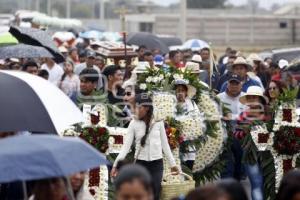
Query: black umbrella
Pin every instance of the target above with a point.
(171, 41)
(37, 37)
(149, 40)
(30, 103)
(24, 51)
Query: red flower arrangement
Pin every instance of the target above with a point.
(287, 165)
(263, 137)
(287, 140)
(287, 115)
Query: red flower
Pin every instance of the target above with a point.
(118, 139)
(90, 130)
(287, 115)
(101, 131)
(263, 138)
(287, 165)
(92, 191)
(297, 132)
(95, 119)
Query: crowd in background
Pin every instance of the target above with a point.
(237, 80)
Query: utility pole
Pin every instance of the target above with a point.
(102, 9)
(183, 8)
(37, 5)
(68, 9)
(49, 7)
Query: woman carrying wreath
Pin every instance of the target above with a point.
(256, 112)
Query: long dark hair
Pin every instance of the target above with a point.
(289, 186)
(65, 63)
(145, 100)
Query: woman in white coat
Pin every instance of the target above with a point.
(150, 142)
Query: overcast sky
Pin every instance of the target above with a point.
(262, 3)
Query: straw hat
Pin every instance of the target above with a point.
(254, 57)
(191, 90)
(241, 61)
(197, 59)
(141, 68)
(253, 91)
(193, 67)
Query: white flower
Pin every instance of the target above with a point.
(143, 86)
(149, 79)
(161, 77)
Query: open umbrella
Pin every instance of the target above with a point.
(170, 41)
(30, 103)
(149, 40)
(37, 37)
(195, 44)
(7, 39)
(24, 51)
(35, 157)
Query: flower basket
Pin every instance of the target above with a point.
(171, 190)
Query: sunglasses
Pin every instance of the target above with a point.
(128, 93)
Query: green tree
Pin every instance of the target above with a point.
(205, 3)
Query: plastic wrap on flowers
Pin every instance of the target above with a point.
(101, 111)
(164, 105)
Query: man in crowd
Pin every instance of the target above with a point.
(89, 63)
(148, 57)
(55, 71)
(230, 97)
(175, 59)
(240, 67)
(141, 50)
(100, 62)
(88, 84)
(114, 81)
(31, 67)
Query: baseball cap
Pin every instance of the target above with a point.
(158, 60)
(235, 77)
(91, 54)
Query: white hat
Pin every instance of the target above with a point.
(62, 49)
(254, 57)
(191, 90)
(283, 63)
(141, 68)
(196, 58)
(15, 60)
(253, 91)
(193, 67)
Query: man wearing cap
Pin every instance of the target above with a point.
(89, 63)
(55, 71)
(240, 67)
(88, 84)
(230, 97)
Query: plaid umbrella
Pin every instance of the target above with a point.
(37, 37)
(24, 51)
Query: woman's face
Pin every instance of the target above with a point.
(133, 191)
(181, 93)
(68, 67)
(141, 111)
(129, 95)
(273, 90)
(77, 181)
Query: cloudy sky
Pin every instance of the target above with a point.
(262, 3)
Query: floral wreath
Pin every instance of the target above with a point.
(209, 141)
(279, 142)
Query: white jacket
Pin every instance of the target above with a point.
(156, 142)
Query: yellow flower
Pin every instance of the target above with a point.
(173, 130)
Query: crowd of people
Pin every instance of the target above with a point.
(247, 86)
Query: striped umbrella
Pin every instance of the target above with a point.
(195, 44)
